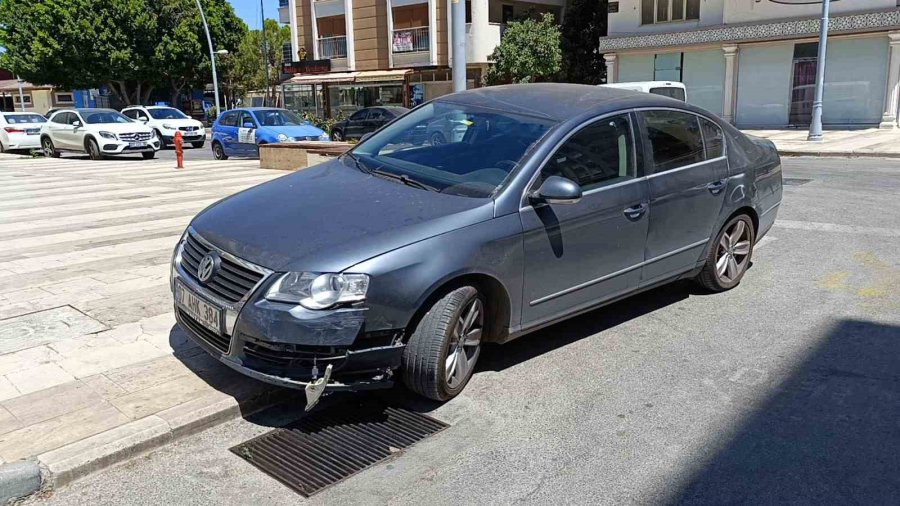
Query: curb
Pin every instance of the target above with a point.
(76, 460)
(838, 154)
(19, 479)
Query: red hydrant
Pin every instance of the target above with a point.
(179, 150)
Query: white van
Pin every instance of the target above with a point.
(672, 89)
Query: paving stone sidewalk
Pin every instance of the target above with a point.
(873, 142)
(92, 366)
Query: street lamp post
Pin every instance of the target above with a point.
(21, 93)
(212, 57)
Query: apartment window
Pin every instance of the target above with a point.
(64, 98)
(663, 11)
(282, 3)
(287, 52)
(17, 98)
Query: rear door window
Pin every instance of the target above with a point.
(669, 91)
(712, 139)
(675, 139)
(229, 119)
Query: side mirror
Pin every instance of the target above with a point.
(365, 136)
(76, 123)
(249, 125)
(557, 190)
(143, 118)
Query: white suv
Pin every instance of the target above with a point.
(97, 132)
(166, 121)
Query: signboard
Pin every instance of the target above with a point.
(307, 67)
(403, 41)
(613, 7)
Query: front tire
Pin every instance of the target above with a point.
(93, 150)
(219, 151)
(162, 141)
(337, 136)
(48, 148)
(197, 145)
(729, 255)
(441, 354)
(149, 155)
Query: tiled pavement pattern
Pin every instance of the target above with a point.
(87, 336)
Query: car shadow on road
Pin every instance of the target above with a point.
(829, 434)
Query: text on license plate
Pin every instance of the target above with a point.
(205, 313)
(136, 144)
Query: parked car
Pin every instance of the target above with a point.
(399, 260)
(671, 89)
(97, 132)
(166, 121)
(365, 121)
(20, 130)
(53, 110)
(240, 132)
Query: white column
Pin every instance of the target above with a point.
(892, 94)
(348, 24)
(612, 67)
(432, 31)
(295, 36)
(390, 33)
(729, 94)
(482, 45)
(315, 30)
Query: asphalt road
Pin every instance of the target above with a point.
(783, 390)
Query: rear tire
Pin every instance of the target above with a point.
(149, 156)
(337, 136)
(441, 354)
(219, 151)
(729, 255)
(93, 149)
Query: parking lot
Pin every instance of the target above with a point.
(782, 390)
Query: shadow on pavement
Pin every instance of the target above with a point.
(830, 434)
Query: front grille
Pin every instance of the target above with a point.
(188, 128)
(217, 341)
(230, 283)
(135, 136)
(289, 355)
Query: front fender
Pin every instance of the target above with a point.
(403, 280)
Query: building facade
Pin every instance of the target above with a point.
(358, 53)
(754, 62)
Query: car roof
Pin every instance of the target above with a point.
(19, 113)
(557, 101)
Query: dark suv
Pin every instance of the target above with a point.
(403, 257)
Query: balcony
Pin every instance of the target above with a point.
(411, 46)
(482, 40)
(334, 49)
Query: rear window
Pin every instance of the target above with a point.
(229, 119)
(670, 92)
(18, 119)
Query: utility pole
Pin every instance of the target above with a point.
(815, 126)
(262, 11)
(458, 33)
(21, 93)
(212, 58)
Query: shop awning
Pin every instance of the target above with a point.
(333, 77)
(381, 75)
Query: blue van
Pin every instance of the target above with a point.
(240, 132)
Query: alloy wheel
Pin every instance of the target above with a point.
(48, 148)
(465, 344)
(733, 252)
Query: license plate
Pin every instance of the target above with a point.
(205, 313)
(136, 144)
(33, 131)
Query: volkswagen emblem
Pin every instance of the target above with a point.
(209, 264)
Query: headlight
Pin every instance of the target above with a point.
(318, 291)
(324, 137)
(282, 138)
(152, 134)
(108, 135)
(169, 127)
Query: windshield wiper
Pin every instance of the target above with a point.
(403, 178)
(358, 163)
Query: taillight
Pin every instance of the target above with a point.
(14, 130)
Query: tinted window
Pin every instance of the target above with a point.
(229, 119)
(376, 114)
(599, 154)
(359, 115)
(483, 145)
(279, 117)
(131, 114)
(95, 118)
(60, 118)
(670, 92)
(712, 139)
(674, 138)
(13, 119)
(246, 118)
(166, 113)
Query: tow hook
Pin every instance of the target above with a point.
(315, 389)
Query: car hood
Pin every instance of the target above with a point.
(330, 217)
(294, 131)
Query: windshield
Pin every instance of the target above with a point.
(278, 117)
(17, 119)
(94, 118)
(452, 148)
(167, 113)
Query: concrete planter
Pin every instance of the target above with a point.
(299, 155)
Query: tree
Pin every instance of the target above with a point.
(585, 23)
(528, 52)
(132, 46)
(249, 69)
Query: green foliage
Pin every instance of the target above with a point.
(249, 71)
(323, 123)
(528, 52)
(585, 23)
(131, 45)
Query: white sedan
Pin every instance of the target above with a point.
(97, 132)
(20, 130)
(166, 121)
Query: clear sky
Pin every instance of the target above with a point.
(248, 10)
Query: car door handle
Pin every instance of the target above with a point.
(716, 187)
(635, 212)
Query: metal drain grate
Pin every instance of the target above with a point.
(794, 181)
(330, 446)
